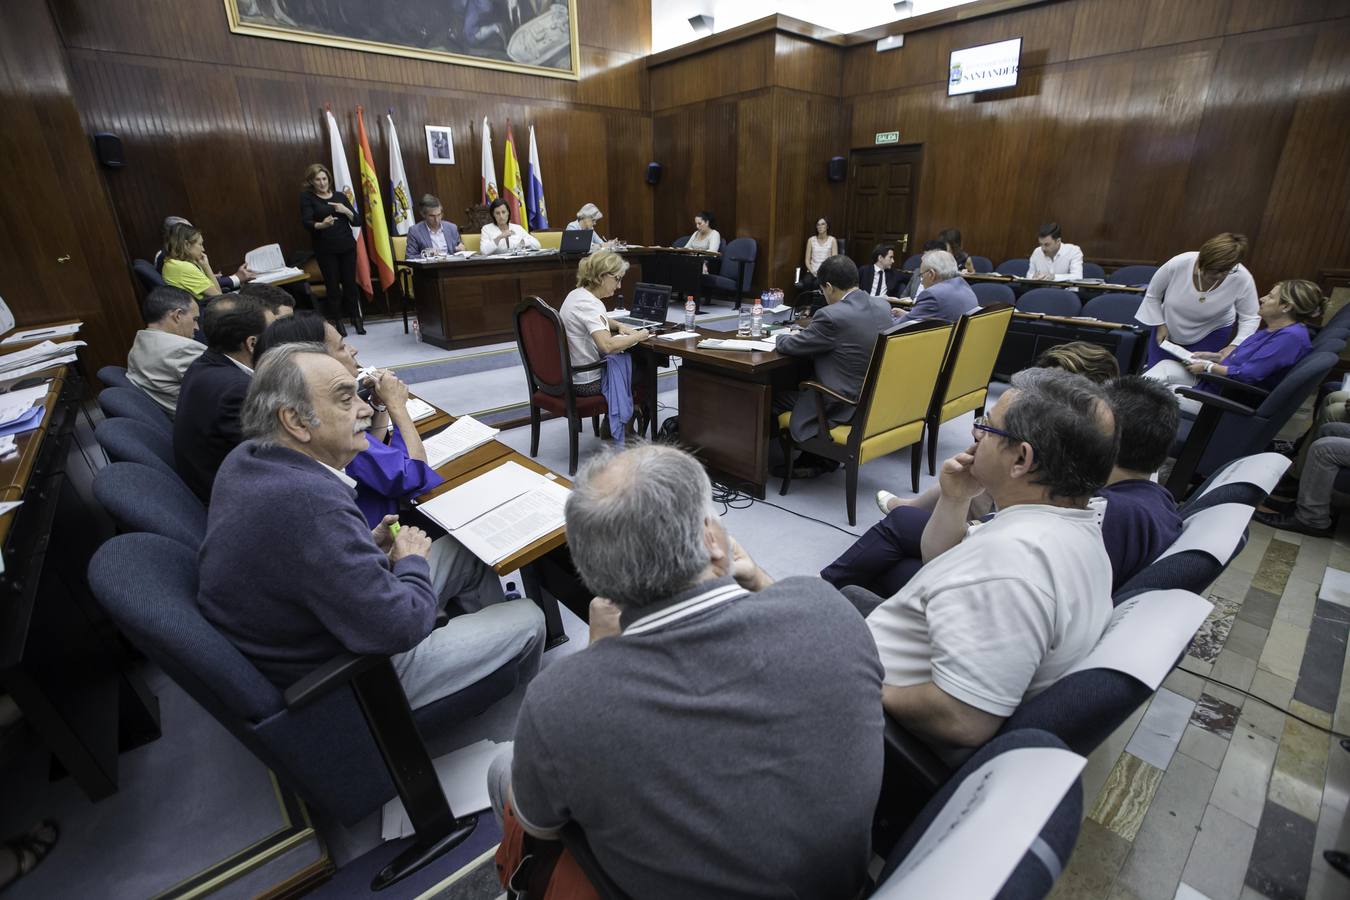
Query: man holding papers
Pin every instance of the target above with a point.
(292, 573)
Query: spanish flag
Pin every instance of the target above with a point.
(515, 191)
(377, 229)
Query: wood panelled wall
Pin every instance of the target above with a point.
(745, 130)
(219, 127)
(1142, 127)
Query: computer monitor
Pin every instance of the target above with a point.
(651, 301)
(577, 241)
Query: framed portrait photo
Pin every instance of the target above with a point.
(440, 145)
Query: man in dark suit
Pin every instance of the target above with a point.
(433, 232)
(881, 279)
(206, 427)
(839, 341)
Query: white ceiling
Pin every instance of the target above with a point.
(671, 28)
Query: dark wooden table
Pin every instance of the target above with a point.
(1027, 283)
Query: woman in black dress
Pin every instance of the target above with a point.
(329, 218)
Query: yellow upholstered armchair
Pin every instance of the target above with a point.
(964, 382)
(890, 410)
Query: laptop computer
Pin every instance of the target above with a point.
(650, 305)
(576, 242)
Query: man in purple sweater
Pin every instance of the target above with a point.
(292, 574)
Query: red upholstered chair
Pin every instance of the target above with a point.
(548, 375)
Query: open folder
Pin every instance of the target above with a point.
(269, 264)
(500, 512)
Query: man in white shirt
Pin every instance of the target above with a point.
(164, 348)
(1001, 610)
(1054, 258)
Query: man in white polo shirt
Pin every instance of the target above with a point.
(1004, 608)
(1054, 258)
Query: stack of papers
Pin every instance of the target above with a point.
(718, 344)
(18, 414)
(463, 435)
(35, 334)
(38, 357)
(676, 335)
(1178, 351)
(500, 512)
(463, 777)
(419, 409)
(270, 265)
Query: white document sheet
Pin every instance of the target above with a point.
(266, 258)
(13, 374)
(500, 511)
(460, 506)
(419, 409)
(986, 828)
(736, 344)
(463, 435)
(1146, 635)
(1215, 531)
(28, 396)
(676, 335)
(9, 506)
(47, 350)
(278, 275)
(1178, 351)
(34, 334)
(6, 323)
(1263, 470)
(463, 776)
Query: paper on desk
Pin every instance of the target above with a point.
(9, 506)
(37, 353)
(463, 777)
(676, 335)
(278, 275)
(993, 817)
(1263, 470)
(1178, 351)
(1146, 635)
(266, 258)
(6, 323)
(516, 524)
(460, 506)
(27, 421)
(731, 344)
(463, 435)
(42, 366)
(419, 409)
(32, 334)
(1215, 531)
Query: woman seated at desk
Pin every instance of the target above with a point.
(386, 475)
(185, 262)
(586, 218)
(501, 235)
(705, 236)
(591, 334)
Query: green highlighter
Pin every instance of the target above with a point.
(393, 530)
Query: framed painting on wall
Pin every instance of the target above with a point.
(537, 37)
(440, 145)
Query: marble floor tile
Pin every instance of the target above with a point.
(1215, 715)
(1217, 865)
(1186, 892)
(1282, 855)
(1209, 638)
(1342, 717)
(1159, 732)
(1152, 871)
(1275, 566)
(1262, 719)
(1313, 556)
(1233, 584)
(1283, 652)
(1335, 587)
(1300, 770)
(1184, 683)
(1234, 668)
(1291, 537)
(1272, 688)
(1253, 555)
(1195, 664)
(1319, 675)
(1297, 602)
(1251, 893)
(1092, 868)
(1203, 746)
(1126, 796)
(1258, 607)
(1324, 884)
(1336, 788)
(1246, 639)
(1103, 760)
(1241, 787)
(1320, 718)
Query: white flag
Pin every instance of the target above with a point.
(400, 197)
(490, 192)
(342, 176)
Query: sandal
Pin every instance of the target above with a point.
(31, 849)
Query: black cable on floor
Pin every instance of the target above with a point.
(734, 498)
(1330, 731)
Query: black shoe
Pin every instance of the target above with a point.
(360, 326)
(1291, 522)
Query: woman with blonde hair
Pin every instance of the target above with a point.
(1194, 298)
(185, 262)
(591, 334)
(329, 217)
(1093, 361)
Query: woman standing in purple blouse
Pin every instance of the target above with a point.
(387, 474)
(1264, 358)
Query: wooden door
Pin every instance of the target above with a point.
(883, 187)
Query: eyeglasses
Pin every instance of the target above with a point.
(981, 426)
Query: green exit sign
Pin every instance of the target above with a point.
(888, 137)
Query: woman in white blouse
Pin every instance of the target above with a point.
(1195, 297)
(705, 236)
(819, 246)
(586, 220)
(502, 235)
(591, 334)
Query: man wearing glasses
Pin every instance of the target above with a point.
(1003, 609)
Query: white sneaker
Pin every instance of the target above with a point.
(884, 499)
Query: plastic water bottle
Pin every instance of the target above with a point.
(757, 317)
(690, 308)
(416, 330)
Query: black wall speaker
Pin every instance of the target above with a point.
(108, 149)
(653, 173)
(836, 168)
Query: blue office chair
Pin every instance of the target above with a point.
(1050, 301)
(1038, 867)
(1244, 490)
(737, 267)
(680, 241)
(1133, 275)
(1092, 270)
(1118, 308)
(343, 737)
(140, 498)
(147, 275)
(133, 404)
(115, 376)
(989, 293)
(912, 263)
(982, 264)
(1015, 267)
(133, 441)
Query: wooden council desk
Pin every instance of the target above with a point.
(1012, 280)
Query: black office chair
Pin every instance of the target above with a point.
(147, 275)
(1092, 270)
(989, 294)
(1195, 570)
(1016, 267)
(1118, 308)
(680, 241)
(1135, 276)
(983, 265)
(1050, 302)
(736, 268)
(1263, 471)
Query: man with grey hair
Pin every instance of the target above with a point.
(945, 294)
(433, 232)
(1000, 610)
(721, 736)
(291, 573)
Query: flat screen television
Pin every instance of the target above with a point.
(984, 68)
